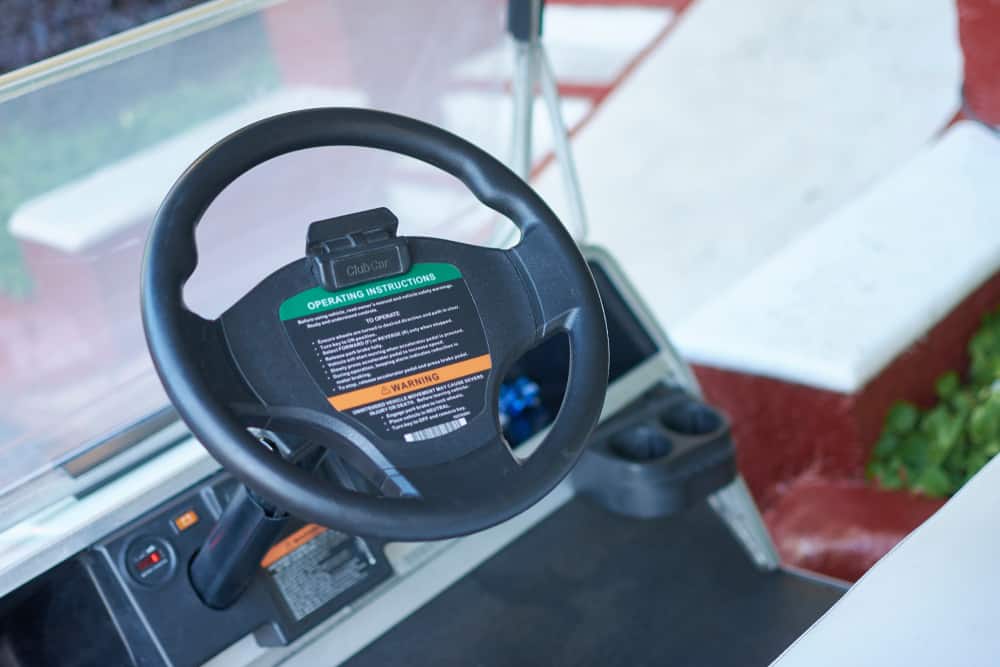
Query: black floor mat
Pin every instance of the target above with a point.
(586, 587)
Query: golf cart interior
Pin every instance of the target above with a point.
(307, 374)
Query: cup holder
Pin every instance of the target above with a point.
(641, 443)
(665, 452)
(691, 418)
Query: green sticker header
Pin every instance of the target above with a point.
(318, 300)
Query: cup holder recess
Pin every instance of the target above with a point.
(691, 418)
(665, 452)
(641, 442)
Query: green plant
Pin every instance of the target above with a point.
(937, 450)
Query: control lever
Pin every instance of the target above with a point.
(227, 561)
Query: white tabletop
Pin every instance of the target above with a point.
(932, 601)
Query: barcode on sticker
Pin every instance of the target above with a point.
(435, 431)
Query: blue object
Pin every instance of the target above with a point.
(521, 411)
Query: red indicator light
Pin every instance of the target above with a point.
(148, 561)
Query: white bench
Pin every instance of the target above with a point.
(836, 306)
(82, 213)
(751, 123)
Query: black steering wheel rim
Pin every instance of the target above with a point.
(171, 258)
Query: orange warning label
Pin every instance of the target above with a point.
(410, 383)
(291, 543)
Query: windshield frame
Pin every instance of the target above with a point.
(125, 44)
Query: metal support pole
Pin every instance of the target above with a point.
(523, 83)
(734, 505)
(532, 67)
(560, 142)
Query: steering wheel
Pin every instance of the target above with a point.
(354, 373)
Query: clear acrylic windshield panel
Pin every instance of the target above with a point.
(89, 150)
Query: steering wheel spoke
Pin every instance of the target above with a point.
(489, 470)
(557, 292)
(213, 359)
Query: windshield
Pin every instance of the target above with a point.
(90, 147)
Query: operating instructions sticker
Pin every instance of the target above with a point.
(407, 355)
